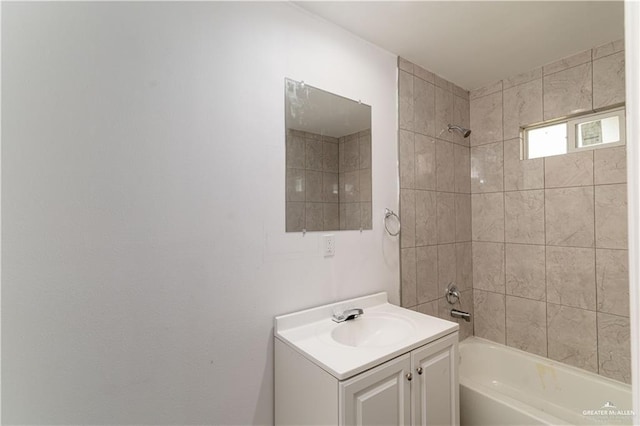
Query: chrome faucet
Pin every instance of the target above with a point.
(461, 314)
(347, 315)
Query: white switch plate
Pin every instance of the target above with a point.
(328, 245)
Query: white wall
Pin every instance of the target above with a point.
(632, 62)
(144, 254)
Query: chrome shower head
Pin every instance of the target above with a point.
(465, 132)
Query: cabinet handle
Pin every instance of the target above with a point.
(409, 376)
(419, 370)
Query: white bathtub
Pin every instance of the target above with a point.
(505, 386)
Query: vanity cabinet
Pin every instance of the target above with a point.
(419, 387)
(435, 388)
(380, 396)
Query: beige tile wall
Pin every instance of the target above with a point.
(435, 193)
(549, 235)
(312, 182)
(328, 181)
(354, 157)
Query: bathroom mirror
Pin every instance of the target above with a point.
(328, 160)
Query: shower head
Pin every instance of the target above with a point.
(464, 132)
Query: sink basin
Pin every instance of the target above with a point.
(372, 330)
(345, 349)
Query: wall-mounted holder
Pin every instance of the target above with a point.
(388, 214)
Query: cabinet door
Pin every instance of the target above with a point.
(381, 396)
(435, 385)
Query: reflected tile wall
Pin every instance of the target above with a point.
(550, 268)
(328, 181)
(305, 166)
(435, 191)
(354, 180)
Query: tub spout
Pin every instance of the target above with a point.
(461, 314)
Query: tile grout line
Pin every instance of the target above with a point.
(522, 141)
(554, 303)
(413, 189)
(546, 290)
(437, 236)
(504, 225)
(399, 187)
(571, 67)
(539, 189)
(595, 250)
(473, 280)
(595, 264)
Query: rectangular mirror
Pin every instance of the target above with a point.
(328, 160)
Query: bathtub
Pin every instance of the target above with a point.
(505, 386)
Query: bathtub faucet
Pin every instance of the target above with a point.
(461, 314)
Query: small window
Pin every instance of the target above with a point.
(597, 130)
(585, 132)
(547, 141)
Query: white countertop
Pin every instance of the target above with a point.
(309, 333)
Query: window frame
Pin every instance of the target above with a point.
(572, 123)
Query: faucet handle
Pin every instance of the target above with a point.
(452, 294)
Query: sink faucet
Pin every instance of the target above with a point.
(347, 315)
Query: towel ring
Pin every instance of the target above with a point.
(387, 214)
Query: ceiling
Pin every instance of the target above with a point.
(473, 43)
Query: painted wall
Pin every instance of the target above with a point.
(144, 254)
(435, 193)
(550, 255)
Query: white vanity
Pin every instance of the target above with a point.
(388, 366)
